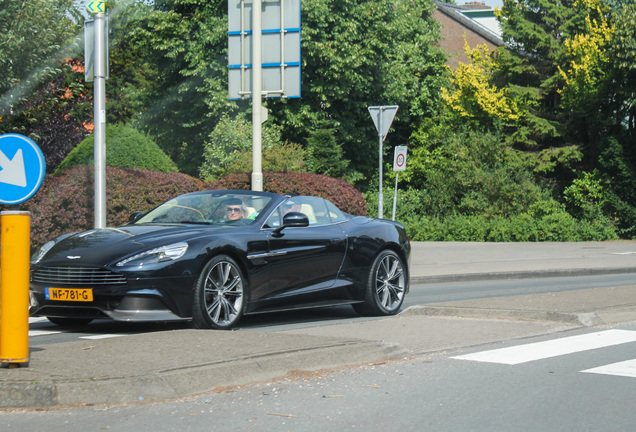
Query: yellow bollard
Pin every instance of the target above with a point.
(14, 287)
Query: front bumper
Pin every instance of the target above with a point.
(147, 299)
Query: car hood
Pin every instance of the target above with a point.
(107, 245)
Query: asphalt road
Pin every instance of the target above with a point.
(44, 332)
(444, 391)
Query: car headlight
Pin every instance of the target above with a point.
(156, 255)
(39, 254)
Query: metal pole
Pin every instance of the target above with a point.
(99, 119)
(381, 138)
(395, 195)
(257, 169)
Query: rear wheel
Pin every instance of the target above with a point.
(219, 295)
(69, 322)
(386, 286)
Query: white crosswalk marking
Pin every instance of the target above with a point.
(626, 368)
(33, 333)
(101, 336)
(552, 348)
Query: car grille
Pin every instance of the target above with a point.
(70, 275)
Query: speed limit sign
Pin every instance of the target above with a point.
(399, 161)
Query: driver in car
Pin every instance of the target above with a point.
(235, 209)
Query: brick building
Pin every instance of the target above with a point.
(473, 19)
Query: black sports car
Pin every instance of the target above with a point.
(213, 256)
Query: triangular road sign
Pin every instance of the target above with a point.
(383, 118)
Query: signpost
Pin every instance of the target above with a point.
(382, 119)
(399, 164)
(23, 169)
(263, 60)
(96, 70)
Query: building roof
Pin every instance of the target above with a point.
(476, 17)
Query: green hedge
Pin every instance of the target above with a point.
(125, 147)
(521, 228)
(545, 220)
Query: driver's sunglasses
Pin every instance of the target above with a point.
(233, 209)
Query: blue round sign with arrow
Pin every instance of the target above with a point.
(22, 168)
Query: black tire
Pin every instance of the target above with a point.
(70, 322)
(219, 295)
(386, 286)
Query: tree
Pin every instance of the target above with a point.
(547, 41)
(324, 154)
(56, 115)
(173, 54)
(35, 38)
(474, 98)
(362, 53)
(622, 51)
(41, 96)
(355, 54)
(228, 150)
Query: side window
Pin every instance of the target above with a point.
(275, 220)
(314, 208)
(335, 213)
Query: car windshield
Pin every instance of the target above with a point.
(208, 208)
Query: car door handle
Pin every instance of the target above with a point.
(266, 255)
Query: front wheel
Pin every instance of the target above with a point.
(386, 286)
(219, 295)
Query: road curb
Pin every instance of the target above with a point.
(531, 274)
(586, 319)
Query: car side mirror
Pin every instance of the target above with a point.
(135, 216)
(292, 219)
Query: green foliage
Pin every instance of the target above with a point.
(125, 147)
(360, 53)
(53, 115)
(35, 37)
(338, 191)
(470, 173)
(178, 73)
(588, 71)
(617, 167)
(543, 221)
(474, 99)
(40, 97)
(324, 154)
(229, 150)
(585, 197)
(623, 54)
(281, 157)
(65, 202)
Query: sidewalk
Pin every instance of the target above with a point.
(177, 363)
(450, 261)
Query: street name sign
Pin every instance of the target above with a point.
(22, 168)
